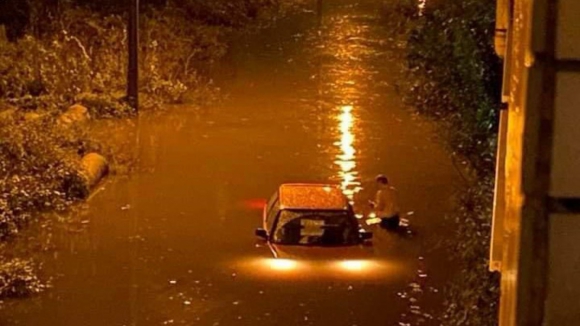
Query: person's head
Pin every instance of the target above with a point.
(382, 180)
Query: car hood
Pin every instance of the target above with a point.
(297, 252)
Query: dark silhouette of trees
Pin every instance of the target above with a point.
(14, 15)
(36, 16)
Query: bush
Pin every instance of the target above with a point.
(39, 170)
(88, 56)
(18, 278)
(61, 66)
(473, 295)
(176, 52)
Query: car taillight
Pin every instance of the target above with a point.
(254, 204)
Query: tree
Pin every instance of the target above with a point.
(14, 14)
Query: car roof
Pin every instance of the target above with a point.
(302, 196)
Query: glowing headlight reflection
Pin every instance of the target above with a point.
(282, 264)
(354, 265)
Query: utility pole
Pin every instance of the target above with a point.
(133, 71)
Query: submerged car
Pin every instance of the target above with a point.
(313, 222)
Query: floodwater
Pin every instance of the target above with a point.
(310, 100)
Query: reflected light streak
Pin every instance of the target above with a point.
(348, 77)
(346, 159)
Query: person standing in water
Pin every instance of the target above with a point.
(386, 204)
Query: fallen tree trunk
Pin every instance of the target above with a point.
(95, 167)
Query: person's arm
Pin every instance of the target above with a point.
(379, 203)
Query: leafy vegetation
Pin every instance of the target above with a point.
(18, 278)
(452, 74)
(38, 169)
(87, 54)
(472, 298)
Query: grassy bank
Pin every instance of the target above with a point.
(451, 74)
(60, 53)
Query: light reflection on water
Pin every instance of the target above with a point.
(306, 270)
(346, 158)
(346, 82)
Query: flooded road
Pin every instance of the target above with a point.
(310, 100)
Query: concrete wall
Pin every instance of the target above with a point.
(563, 287)
(562, 304)
(537, 219)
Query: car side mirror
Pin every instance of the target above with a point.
(365, 235)
(262, 233)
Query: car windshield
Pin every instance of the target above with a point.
(317, 228)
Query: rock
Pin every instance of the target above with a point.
(95, 168)
(76, 114)
(31, 116)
